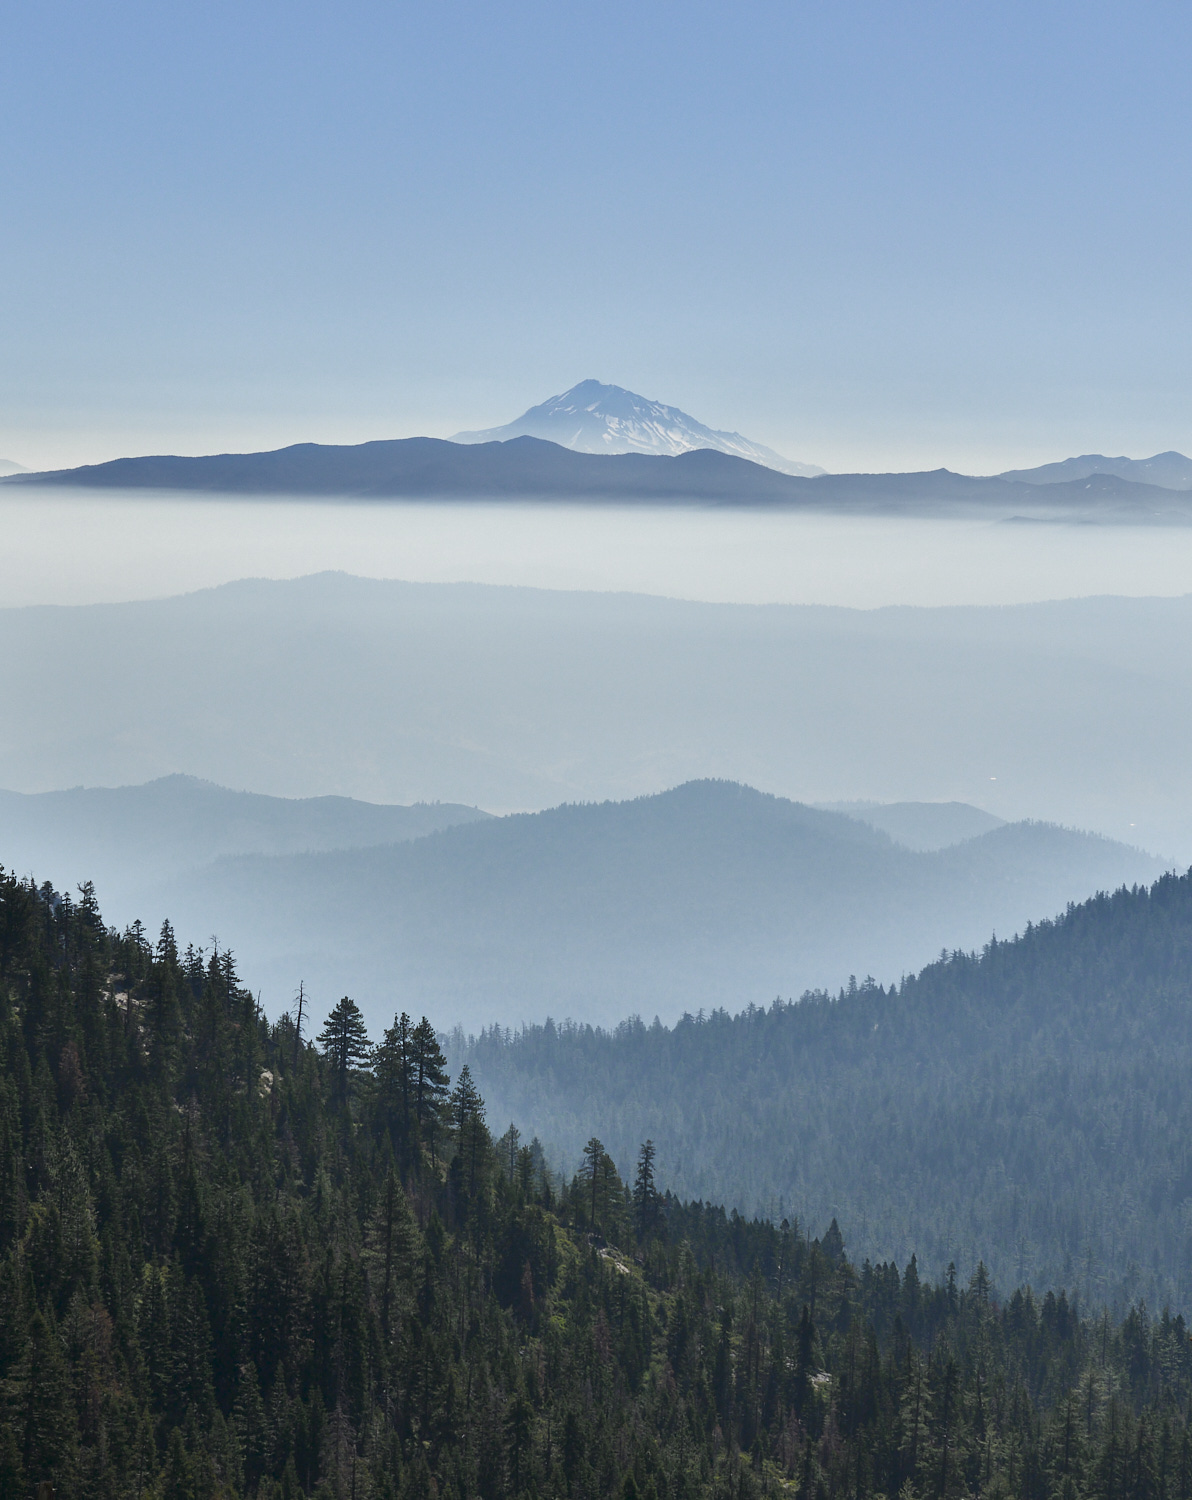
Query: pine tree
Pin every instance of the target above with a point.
(593, 1172)
(431, 1082)
(645, 1194)
(467, 1114)
(394, 1067)
(49, 1424)
(344, 1041)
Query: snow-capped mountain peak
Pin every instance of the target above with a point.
(596, 418)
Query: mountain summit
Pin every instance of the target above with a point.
(596, 418)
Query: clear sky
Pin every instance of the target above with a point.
(872, 235)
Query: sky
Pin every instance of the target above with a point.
(874, 236)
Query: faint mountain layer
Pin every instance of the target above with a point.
(7, 466)
(132, 837)
(596, 418)
(711, 894)
(1169, 471)
(924, 826)
(515, 698)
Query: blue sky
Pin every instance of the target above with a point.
(872, 235)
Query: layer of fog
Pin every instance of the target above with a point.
(80, 547)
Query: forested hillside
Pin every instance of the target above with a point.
(233, 1263)
(1029, 1105)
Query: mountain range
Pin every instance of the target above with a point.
(711, 894)
(596, 418)
(528, 468)
(130, 838)
(515, 698)
(606, 444)
(1171, 471)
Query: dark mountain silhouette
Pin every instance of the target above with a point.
(529, 468)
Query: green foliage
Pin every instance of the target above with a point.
(233, 1264)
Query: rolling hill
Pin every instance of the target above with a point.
(711, 894)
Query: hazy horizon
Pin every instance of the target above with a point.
(92, 547)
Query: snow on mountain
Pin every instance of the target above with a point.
(596, 418)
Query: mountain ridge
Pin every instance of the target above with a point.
(528, 468)
(1168, 470)
(706, 894)
(123, 836)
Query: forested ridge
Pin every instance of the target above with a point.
(1027, 1105)
(237, 1259)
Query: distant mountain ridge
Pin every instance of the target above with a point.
(531, 469)
(596, 418)
(1169, 471)
(709, 894)
(7, 466)
(512, 698)
(127, 837)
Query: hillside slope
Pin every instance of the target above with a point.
(920, 825)
(233, 1264)
(1030, 1106)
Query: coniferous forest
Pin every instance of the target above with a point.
(243, 1257)
(1027, 1105)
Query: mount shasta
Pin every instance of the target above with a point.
(596, 418)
